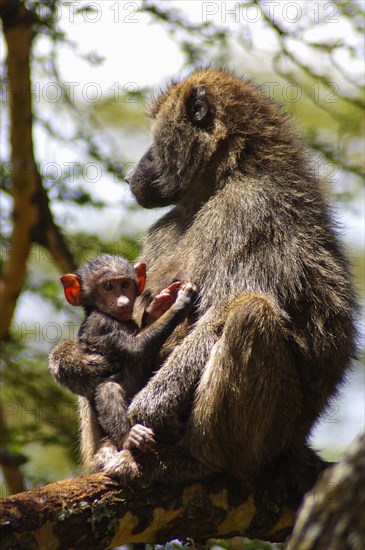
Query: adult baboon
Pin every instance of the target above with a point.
(274, 333)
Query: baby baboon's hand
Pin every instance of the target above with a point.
(186, 296)
(164, 300)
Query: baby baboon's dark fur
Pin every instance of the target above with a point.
(251, 228)
(120, 357)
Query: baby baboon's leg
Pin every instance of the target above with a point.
(111, 406)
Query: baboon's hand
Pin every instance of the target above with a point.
(164, 300)
(186, 296)
(140, 437)
(123, 467)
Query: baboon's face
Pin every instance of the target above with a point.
(184, 131)
(199, 125)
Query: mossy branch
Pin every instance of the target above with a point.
(96, 512)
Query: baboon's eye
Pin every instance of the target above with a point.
(198, 108)
(108, 286)
(125, 284)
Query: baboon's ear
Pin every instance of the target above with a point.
(198, 107)
(72, 288)
(140, 270)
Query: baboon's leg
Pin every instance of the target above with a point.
(249, 395)
(246, 403)
(111, 406)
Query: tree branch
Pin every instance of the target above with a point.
(31, 214)
(18, 35)
(332, 513)
(32, 217)
(96, 512)
(12, 474)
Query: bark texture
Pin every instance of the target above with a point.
(32, 218)
(95, 512)
(332, 516)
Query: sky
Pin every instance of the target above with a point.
(147, 55)
(137, 53)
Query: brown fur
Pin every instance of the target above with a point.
(251, 228)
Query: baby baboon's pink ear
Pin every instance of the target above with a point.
(72, 289)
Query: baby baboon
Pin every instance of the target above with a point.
(107, 288)
(274, 333)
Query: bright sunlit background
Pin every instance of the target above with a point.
(116, 56)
